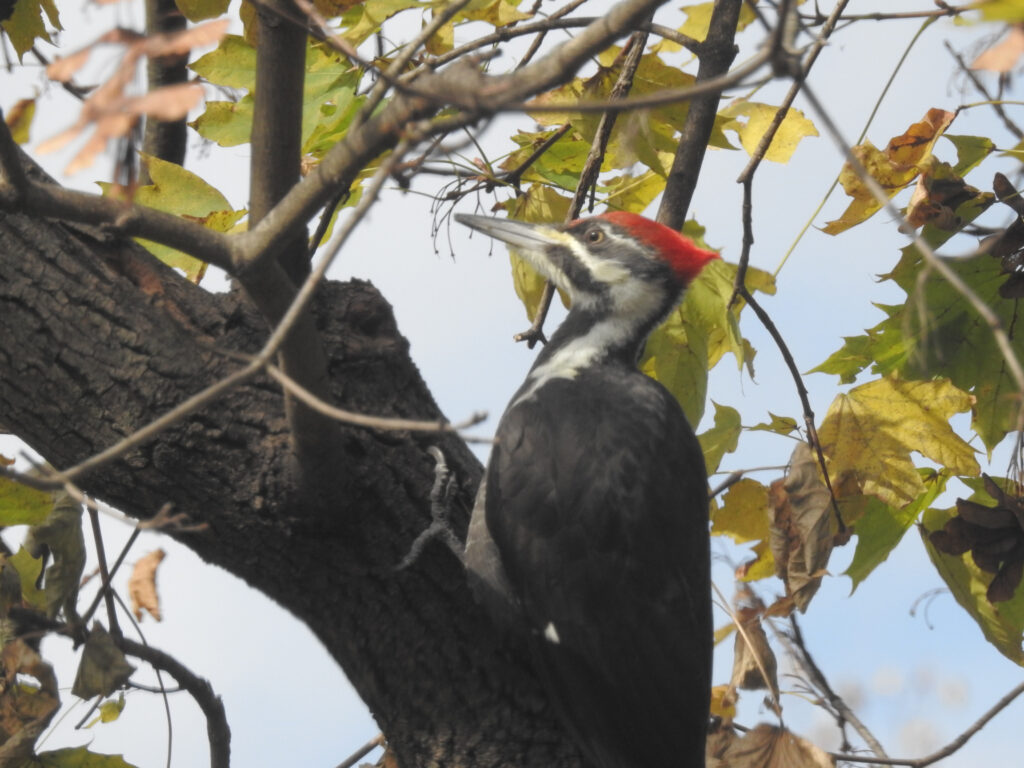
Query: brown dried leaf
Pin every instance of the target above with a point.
(25, 709)
(172, 102)
(765, 746)
(1003, 56)
(180, 43)
(803, 527)
(752, 654)
(63, 69)
(142, 585)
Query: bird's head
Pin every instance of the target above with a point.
(620, 262)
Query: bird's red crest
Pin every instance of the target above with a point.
(685, 257)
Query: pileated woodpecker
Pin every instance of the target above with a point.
(590, 531)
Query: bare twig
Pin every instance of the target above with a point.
(801, 390)
(371, 422)
(946, 751)
(107, 590)
(363, 751)
(216, 720)
(997, 107)
(747, 175)
(817, 678)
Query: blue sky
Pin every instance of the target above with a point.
(915, 682)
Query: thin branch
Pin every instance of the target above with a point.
(817, 678)
(946, 751)
(551, 23)
(942, 10)
(103, 593)
(371, 422)
(997, 106)
(216, 720)
(363, 751)
(107, 590)
(801, 390)
(747, 175)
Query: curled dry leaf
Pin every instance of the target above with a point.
(803, 527)
(765, 746)
(753, 657)
(25, 708)
(142, 585)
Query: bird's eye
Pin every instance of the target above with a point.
(595, 236)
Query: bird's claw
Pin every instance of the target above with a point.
(440, 528)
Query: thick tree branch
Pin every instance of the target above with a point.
(164, 139)
(717, 53)
(277, 127)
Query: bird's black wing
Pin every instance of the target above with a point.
(597, 504)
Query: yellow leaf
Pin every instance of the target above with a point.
(698, 19)
(759, 117)
(743, 515)
(869, 433)
(19, 119)
(904, 157)
(539, 204)
(441, 41)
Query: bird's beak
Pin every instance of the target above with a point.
(518, 234)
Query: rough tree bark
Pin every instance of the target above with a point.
(97, 338)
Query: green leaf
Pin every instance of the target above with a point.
(26, 24)
(780, 425)
(103, 668)
(1002, 624)
(970, 151)
(228, 123)
(363, 20)
(744, 518)
(540, 204)
(175, 190)
(676, 355)
(880, 527)
(78, 757)
(60, 535)
(947, 336)
(1001, 10)
(700, 332)
(110, 711)
(22, 505)
(198, 10)
(722, 438)
(19, 119)
(231, 64)
(869, 433)
(29, 569)
(500, 13)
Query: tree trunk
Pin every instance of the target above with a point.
(97, 339)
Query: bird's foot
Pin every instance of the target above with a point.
(441, 495)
